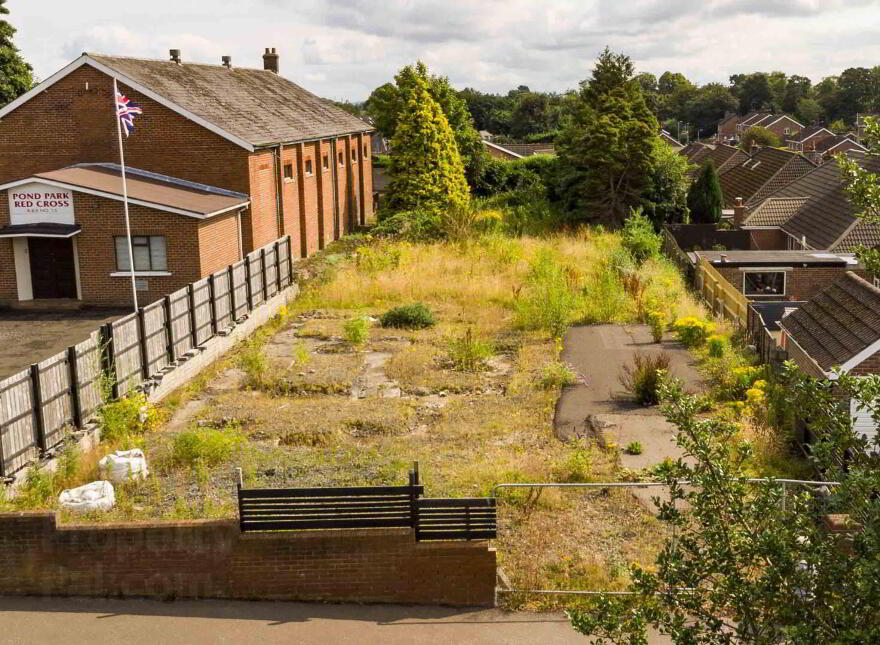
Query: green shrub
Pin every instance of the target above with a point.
(639, 238)
(549, 300)
(130, 415)
(252, 360)
(715, 345)
(357, 330)
(377, 258)
(414, 316)
(634, 448)
(413, 225)
(207, 446)
(577, 466)
(643, 377)
(467, 353)
(693, 332)
(657, 321)
(557, 374)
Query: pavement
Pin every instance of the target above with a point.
(28, 337)
(149, 622)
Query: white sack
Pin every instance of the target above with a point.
(97, 496)
(123, 465)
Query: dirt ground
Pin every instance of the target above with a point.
(28, 337)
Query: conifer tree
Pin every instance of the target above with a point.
(705, 200)
(15, 74)
(426, 170)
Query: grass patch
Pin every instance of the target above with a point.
(643, 376)
(415, 316)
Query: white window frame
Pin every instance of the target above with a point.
(151, 270)
(768, 270)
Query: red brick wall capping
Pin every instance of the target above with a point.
(213, 559)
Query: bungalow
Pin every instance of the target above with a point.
(300, 166)
(722, 155)
(839, 327)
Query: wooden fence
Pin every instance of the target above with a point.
(292, 509)
(721, 296)
(40, 403)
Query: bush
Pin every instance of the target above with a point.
(357, 330)
(208, 446)
(415, 316)
(693, 332)
(413, 225)
(639, 238)
(643, 377)
(716, 344)
(467, 353)
(634, 448)
(127, 416)
(377, 258)
(252, 361)
(549, 301)
(657, 321)
(557, 374)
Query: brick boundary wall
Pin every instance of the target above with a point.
(213, 559)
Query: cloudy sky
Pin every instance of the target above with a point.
(345, 48)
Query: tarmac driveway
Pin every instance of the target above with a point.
(28, 337)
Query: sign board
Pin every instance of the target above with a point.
(141, 285)
(37, 203)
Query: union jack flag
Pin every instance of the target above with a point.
(126, 111)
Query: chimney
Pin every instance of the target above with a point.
(739, 212)
(227, 61)
(175, 55)
(270, 60)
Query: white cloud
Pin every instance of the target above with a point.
(345, 48)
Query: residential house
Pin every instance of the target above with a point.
(838, 144)
(779, 275)
(301, 166)
(722, 155)
(838, 328)
(668, 138)
(750, 119)
(765, 171)
(727, 128)
(813, 213)
(511, 151)
(806, 139)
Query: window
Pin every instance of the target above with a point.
(288, 171)
(354, 155)
(149, 253)
(325, 162)
(366, 153)
(308, 167)
(341, 160)
(764, 283)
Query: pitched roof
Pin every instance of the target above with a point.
(828, 216)
(862, 233)
(767, 170)
(144, 187)
(668, 138)
(775, 211)
(753, 117)
(721, 154)
(827, 144)
(694, 151)
(810, 132)
(252, 107)
(528, 149)
(837, 323)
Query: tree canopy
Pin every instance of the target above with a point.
(426, 170)
(863, 190)
(705, 199)
(16, 76)
(756, 135)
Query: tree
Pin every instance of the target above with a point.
(863, 190)
(386, 104)
(704, 200)
(752, 90)
(797, 88)
(530, 114)
(665, 202)
(710, 104)
(808, 111)
(750, 564)
(606, 150)
(426, 171)
(760, 136)
(16, 76)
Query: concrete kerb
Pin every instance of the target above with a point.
(184, 370)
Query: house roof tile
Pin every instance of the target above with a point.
(775, 211)
(762, 174)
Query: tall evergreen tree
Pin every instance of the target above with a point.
(16, 75)
(426, 169)
(606, 150)
(704, 199)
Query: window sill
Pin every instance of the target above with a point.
(288, 180)
(140, 274)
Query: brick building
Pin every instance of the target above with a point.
(301, 165)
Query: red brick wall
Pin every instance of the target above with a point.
(366, 178)
(801, 359)
(8, 288)
(768, 239)
(870, 365)
(212, 559)
(801, 283)
(290, 200)
(262, 220)
(218, 243)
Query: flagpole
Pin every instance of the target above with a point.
(125, 195)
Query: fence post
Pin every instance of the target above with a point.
(232, 312)
(247, 281)
(193, 330)
(277, 268)
(108, 357)
(169, 331)
(73, 372)
(212, 295)
(39, 422)
(265, 276)
(289, 260)
(414, 499)
(142, 343)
